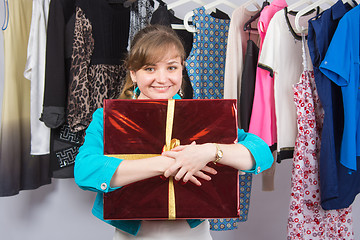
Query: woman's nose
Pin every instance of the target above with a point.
(161, 76)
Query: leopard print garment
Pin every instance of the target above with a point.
(91, 84)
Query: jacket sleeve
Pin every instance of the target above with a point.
(93, 170)
(258, 148)
(57, 62)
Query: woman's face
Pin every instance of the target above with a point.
(161, 80)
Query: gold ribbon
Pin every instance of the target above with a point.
(169, 144)
(172, 208)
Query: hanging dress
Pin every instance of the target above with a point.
(307, 219)
(264, 105)
(206, 62)
(263, 101)
(205, 66)
(18, 169)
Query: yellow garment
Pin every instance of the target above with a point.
(18, 170)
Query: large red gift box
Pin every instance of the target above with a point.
(141, 128)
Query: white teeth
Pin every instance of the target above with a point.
(161, 87)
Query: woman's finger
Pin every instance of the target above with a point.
(180, 174)
(209, 170)
(202, 175)
(195, 181)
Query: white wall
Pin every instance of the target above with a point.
(61, 210)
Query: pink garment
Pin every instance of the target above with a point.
(263, 118)
(307, 219)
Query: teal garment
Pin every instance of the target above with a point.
(93, 171)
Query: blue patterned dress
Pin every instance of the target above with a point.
(206, 67)
(206, 62)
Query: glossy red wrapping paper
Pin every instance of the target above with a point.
(138, 127)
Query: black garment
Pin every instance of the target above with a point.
(60, 34)
(166, 17)
(248, 84)
(219, 14)
(64, 142)
(110, 30)
(64, 147)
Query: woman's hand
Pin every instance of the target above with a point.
(190, 162)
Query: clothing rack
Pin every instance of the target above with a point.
(179, 3)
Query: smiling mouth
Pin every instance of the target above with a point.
(161, 87)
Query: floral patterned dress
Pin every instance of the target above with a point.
(307, 219)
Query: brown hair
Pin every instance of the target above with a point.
(147, 48)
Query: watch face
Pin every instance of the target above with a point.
(220, 154)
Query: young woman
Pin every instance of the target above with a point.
(155, 64)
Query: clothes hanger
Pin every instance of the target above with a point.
(250, 3)
(306, 10)
(161, 3)
(350, 2)
(208, 6)
(6, 16)
(247, 25)
(297, 4)
(179, 3)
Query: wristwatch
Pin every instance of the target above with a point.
(219, 154)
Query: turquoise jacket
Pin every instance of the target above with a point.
(93, 170)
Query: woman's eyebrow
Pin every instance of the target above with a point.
(173, 62)
(149, 65)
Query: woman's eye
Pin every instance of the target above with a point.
(149, 69)
(172, 68)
